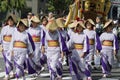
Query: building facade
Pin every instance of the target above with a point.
(115, 9)
(37, 6)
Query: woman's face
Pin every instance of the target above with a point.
(89, 25)
(50, 15)
(34, 24)
(79, 29)
(29, 16)
(97, 20)
(44, 22)
(22, 27)
(10, 22)
(109, 29)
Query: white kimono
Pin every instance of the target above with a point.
(109, 44)
(53, 51)
(95, 44)
(20, 46)
(6, 36)
(79, 45)
(36, 34)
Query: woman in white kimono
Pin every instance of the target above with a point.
(65, 36)
(36, 32)
(6, 36)
(109, 48)
(44, 23)
(94, 41)
(54, 50)
(80, 48)
(43, 58)
(21, 45)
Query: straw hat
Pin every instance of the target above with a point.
(107, 23)
(52, 25)
(29, 13)
(75, 23)
(24, 21)
(90, 21)
(35, 19)
(60, 22)
(12, 16)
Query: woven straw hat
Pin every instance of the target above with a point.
(60, 22)
(107, 23)
(75, 23)
(90, 21)
(35, 19)
(13, 17)
(24, 21)
(52, 25)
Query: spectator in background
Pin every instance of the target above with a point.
(99, 25)
(118, 35)
(29, 16)
(50, 16)
(44, 21)
(115, 29)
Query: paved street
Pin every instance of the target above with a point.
(66, 76)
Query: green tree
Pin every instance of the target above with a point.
(60, 6)
(9, 5)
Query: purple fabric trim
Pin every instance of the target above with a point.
(53, 73)
(70, 65)
(105, 64)
(59, 68)
(21, 69)
(30, 69)
(68, 37)
(116, 43)
(16, 75)
(51, 76)
(87, 42)
(43, 38)
(74, 66)
(10, 64)
(59, 71)
(31, 41)
(87, 73)
(98, 46)
(25, 65)
(64, 46)
(6, 70)
(43, 59)
(87, 70)
(37, 67)
(4, 56)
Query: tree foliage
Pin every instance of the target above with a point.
(59, 5)
(8, 5)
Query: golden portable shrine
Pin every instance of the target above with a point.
(88, 9)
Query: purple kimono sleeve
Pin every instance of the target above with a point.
(116, 45)
(87, 43)
(64, 46)
(98, 43)
(43, 38)
(31, 41)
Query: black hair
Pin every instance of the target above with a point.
(100, 17)
(10, 18)
(22, 24)
(44, 17)
(89, 22)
